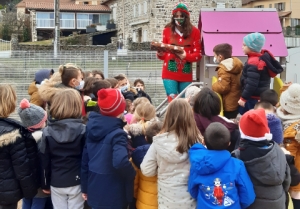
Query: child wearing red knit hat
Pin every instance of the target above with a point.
(264, 160)
(107, 176)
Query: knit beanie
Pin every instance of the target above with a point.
(254, 126)
(182, 7)
(255, 41)
(290, 99)
(275, 126)
(42, 75)
(111, 102)
(32, 116)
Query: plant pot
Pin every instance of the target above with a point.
(110, 26)
(90, 30)
(101, 27)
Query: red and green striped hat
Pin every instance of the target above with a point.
(182, 7)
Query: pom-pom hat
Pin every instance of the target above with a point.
(255, 41)
(254, 126)
(290, 99)
(32, 116)
(111, 102)
(182, 7)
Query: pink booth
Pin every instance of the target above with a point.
(230, 26)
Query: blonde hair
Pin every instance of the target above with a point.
(144, 113)
(138, 101)
(66, 104)
(8, 100)
(180, 119)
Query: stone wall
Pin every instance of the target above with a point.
(145, 46)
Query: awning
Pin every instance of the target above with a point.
(284, 14)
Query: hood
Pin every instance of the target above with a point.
(207, 161)
(10, 130)
(166, 145)
(232, 65)
(273, 66)
(136, 129)
(138, 155)
(32, 88)
(48, 89)
(268, 169)
(66, 130)
(99, 126)
(42, 75)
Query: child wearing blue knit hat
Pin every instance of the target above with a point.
(258, 70)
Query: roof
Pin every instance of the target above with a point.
(105, 1)
(284, 14)
(247, 1)
(239, 23)
(23, 2)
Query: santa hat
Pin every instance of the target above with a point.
(111, 102)
(254, 126)
(182, 7)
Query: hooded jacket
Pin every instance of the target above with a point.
(107, 175)
(16, 174)
(172, 169)
(61, 147)
(145, 187)
(137, 136)
(35, 98)
(228, 84)
(210, 167)
(270, 175)
(257, 73)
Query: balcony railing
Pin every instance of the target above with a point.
(291, 31)
(81, 24)
(45, 23)
(69, 24)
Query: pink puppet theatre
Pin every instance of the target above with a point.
(182, 43)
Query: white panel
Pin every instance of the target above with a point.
(134, 36)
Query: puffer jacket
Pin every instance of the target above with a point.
(228, 84)
(16, 175)
(137, 135)
(145, 188)
(257, 73)
(35, 98)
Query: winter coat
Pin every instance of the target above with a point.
(141, 93)
(270, 175)
(16, 174)
(172, 169)
(137, 136)
(35, 98)
(257, 73)
(207, 166)
(145, 187)
(107, 175)
(175, 68)
(291, 135)
(228, 84)
(61, 147)
(49, 89)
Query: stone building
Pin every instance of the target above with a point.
(144, 20)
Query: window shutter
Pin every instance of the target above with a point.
(134, 36)
(276, 6)
(140, 9)
(283, 6)
(134, 11)
(145, 36)
(145, 7)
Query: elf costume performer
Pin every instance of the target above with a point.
(177, 68)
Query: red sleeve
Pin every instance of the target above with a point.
(165, 41)
(195, 54)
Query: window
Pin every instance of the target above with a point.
(140, 9)
(104, 18)
(270, 5)
(295, 22)
(45, 20)
(280, 6)
(84, 20)
(134, 10)
(67, 20)
(145, 7)
(86, 2)
(259, 6)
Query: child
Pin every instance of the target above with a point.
(270, 96)
(146, 187)
(142, 115)
(113, 82)
(190, 94)
(168, 157)
(289, 113)
(107, 174)
(264, 160)
(61, 148)
(257, 72)
(218, 180)
(34, 119)
(139, 85)
(228, 84)
(124, 87)
(16, 174)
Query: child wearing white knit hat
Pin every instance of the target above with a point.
(289, 113)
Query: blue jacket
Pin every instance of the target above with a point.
(218, 180)
(107, 176)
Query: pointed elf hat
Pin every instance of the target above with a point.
(182, 7)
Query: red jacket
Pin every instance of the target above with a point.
(173, 67)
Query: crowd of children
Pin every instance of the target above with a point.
(89, 142)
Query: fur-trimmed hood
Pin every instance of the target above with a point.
(9, 138)
(136, 129)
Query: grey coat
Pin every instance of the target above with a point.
(270, 175)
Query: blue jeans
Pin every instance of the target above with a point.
(249, 105)
(174, 87)
(34, 203)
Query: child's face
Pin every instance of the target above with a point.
(219, 58)
(140, 86)
(246, 49)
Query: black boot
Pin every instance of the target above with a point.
(296, 203)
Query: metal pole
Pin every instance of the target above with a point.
(105, 64)
(57, 28)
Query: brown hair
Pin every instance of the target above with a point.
(120, 77)
(98, 72)
(180, 119)
(138, 101)
(88, 85)
(66, 104)
(187, 26)
(8, 100)
(98, 85)
(86, 74)
(152, 130)
(113, 82)
(264, 105)
(207, 103)
(223, 49)
(143, 113)
(138, 81)
(269, 95)
(216, 136)
(128, 105)
(68, 73)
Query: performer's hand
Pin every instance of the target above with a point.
(84, 196)
(181, 56)
(241, 103)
